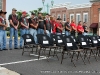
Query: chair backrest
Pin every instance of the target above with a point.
(94, 41)
(59, 40)
(69, 43)
(53, 38)
(98, 37)
(83, 41)
(73, 38)
(28, 39)
(44, 40)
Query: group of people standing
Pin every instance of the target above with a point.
(35, 25)
(72, 28)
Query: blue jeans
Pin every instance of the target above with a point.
(33, 32)
(22, 32)
(13, 32)
(85, 33)
(40, 31)
(48, 33)
(1, 39)
(67, 33)
(4, 40)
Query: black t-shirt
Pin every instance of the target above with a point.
(24, 21)
(14, 19)
(41, 23)
(32, 21)
(68, 25)
(47, 24)
(85, 28)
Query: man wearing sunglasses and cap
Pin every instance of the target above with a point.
(24, 27)
(33, 25)
(13, 20)
(3, 26)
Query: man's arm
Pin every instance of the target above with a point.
(3, 25)
(10, 20)
(11, 23)
(73, 28)
(44, 26)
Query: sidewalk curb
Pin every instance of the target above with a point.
(13, 37)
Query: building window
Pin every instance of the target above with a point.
(71, 17)
(59, 16)
(1, 4)
(64, 17)
(78, 18)
(85, 17)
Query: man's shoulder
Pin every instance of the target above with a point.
(10, 15)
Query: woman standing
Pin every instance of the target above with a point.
(80, 28)
(73, 28)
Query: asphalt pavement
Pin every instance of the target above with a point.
(30, 65)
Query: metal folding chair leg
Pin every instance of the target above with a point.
(72, 56)
(82, 58)
(23, 51)
(39, 53)
(62, 56)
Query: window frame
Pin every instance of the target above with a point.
(84, 16)
(71, 18)
(78, 18)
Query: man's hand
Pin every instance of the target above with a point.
(26, 27)
(45, 32)
(16, 27)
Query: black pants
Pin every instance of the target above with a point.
(79, 34)
(73, 33)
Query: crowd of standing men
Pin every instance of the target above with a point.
(35, 26)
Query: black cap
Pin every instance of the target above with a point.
(59, 19)
(47, 14)
(32, 13)
(1, 11)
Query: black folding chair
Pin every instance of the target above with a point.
(74, 38)
(84, 43)
(53, 38)
(29, 43)
(72, 49)
(95, 43)
(46, 42)
(59, 42)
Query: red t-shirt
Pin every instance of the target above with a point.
(80, 28)
(73, 25)
(58, 25)
(53, 26)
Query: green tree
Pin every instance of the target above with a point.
(39, 9)
(19, 13)
(44, 13)
(36, 11)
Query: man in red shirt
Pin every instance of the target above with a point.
(80, 29)
(53, 22)
(73, 28)
(59, 27)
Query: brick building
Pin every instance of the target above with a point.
(89, 12)
(3, 5)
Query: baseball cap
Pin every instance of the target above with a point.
(14, 9)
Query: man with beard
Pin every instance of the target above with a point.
(24, 27)
(13, 20)
(40, 24)
(47, 27)
(33, 25)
